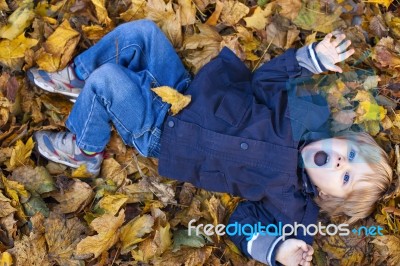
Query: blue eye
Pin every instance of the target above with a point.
(346, 178)
(352, 154)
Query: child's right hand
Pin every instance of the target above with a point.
(293, 252)
(332, 52)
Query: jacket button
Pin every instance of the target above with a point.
(171, 123)
(244, 146)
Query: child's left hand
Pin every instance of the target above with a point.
(331, 52)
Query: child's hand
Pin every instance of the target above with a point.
(330, 52)
(294, 252)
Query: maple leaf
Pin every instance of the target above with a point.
(62, 236)
(112, 170)
(389, 248)
(169, 95)
(232, 12)
(187, 12)
(5, 206)
(20, 154)
(12, 52)
(107, 227)
(18, 21)
(136, 11)
(134, 230)
(73, 196)
(290, 8)
(258, 20)
(111, 204)
(58, 49)
(18, 194)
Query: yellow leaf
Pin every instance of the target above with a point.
(81, 172)
(385, 3)
(20, 154)
(18, 21)
(12, 53)
(5, 206)
(388, 247)
(94, 32)
(311, 38)
(58, 49)
(169, 95)
(6, 259)
(232, 12)
(134, 230)
(396, 121)
(290, 8)
(108, 228)
(386, 123)
(367, 111)
(112, 203)
(135, 12)
(17, 192)
(258, 20)
(112, 170)
(3, 5)
(101, 12)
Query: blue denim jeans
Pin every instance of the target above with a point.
(119, 72)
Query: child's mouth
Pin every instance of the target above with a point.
(321, 158)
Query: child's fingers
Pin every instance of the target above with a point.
(334, 68)
(328, 37)
(302, 245)
(342, 48)
(345, 55)
(338, 39)
(310, 251)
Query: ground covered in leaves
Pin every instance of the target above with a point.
(51, 215)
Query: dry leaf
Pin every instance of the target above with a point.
(136, 11)
(112, 203)
(73, 196)
(12, 52)
(81, 172)
(34, 179)
(258, 20)
(62, 236)
(18, 21)
(58, 49)
(169, 95)
(188, 256)
(108, 228)
(290, 8)
(94, 32)
(232, 12)
(389, 248)
(112, 170)
(134, 230)
(20, 154)
(101, 12)
(188, 12)
(5, 206)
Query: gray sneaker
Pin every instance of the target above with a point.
(64, 81)
(60, 147)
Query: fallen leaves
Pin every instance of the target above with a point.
(169, 95)
(46, 209)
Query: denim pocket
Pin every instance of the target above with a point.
(233, 107)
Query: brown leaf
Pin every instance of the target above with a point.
(290, 8)
(383, 54)
(34, 179)
(258, 20)
(5, 206)
(18, 21)
(73, 195)
(232, 12)
(136, 11)
(62, 236)
(170, 23)
(188, 12)
(213, 19)
(9, 224)
(108, 228)
(101, 12)
(201, 47)
(186, 256)
(389, 248)
(112, 170)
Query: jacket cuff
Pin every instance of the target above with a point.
(263, 248)
(308, 58)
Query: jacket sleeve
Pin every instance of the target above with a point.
(248, 216)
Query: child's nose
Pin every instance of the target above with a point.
(340, 161)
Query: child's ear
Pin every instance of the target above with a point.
(323, 195)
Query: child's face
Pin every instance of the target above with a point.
(334, 166)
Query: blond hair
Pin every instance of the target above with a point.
(361, 202)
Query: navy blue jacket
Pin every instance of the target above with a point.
(241, 134)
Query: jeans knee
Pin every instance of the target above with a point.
(143, 25)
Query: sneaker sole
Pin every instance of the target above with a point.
(48, 88)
